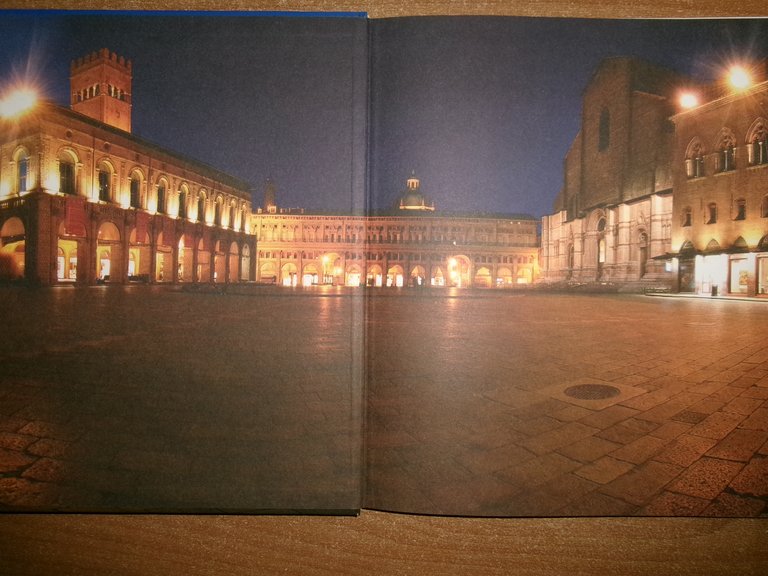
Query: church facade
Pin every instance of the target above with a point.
(82, 200)
(613, 216)
(666, 184)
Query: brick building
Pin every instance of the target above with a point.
(613, 215)
(83, 200)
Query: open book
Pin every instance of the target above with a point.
(317, 263)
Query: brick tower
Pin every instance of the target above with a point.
(100, 84)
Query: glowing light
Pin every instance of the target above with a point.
(689, 100)
(739, 78)
(17, 102)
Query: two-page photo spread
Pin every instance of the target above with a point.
(313, 263)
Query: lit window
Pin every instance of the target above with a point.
(182, 203)
(22, 172)
(135, 191)
(694, 160)
(758, 144)
(66, 177)
(104, 183)
(712, 213)
(161, 198)
(726, 155)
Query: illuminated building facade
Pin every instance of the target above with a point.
(613, 216)
(410, 246)
(83, 200)
(720, 176)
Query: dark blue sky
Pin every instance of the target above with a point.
(483, 109)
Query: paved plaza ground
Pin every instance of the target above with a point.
(469, 411)
(149, 398)
(153, 398)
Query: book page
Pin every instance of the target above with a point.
(168, 346)
(573, 237)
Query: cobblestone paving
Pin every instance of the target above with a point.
(141, 398)
(467, 414)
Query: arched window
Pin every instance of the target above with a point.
(67, 174)
(161, 194)
(22, 171)
(694, 159)
(726, 151)
(604, 135)
(104, 175)
(183, 199)
(135, 184)
(217, 212)
(764, 207)
(712, 213)
(201, 206)
(757, 143)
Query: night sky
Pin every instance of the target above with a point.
(482, 109)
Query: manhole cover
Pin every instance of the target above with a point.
(592, 391)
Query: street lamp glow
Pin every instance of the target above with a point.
(739, 78)
(17, 102)
(688, 100)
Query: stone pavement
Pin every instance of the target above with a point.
(478, 402)
(149, 399)
(471, 412)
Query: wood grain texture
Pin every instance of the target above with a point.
(377, 542)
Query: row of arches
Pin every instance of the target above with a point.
(134, 256)
(194, 203)
(330, 269)
(722, 150)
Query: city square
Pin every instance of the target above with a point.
(468, 411)
(254, 401)
(142, 399)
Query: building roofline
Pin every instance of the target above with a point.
(193, 164)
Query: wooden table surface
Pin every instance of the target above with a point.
(376, 542)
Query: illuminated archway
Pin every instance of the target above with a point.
(219, 262)
(374, 276)
(12, 249)
(483, 277)
(268, 272)
(289, 275)
(438, 277)
(503, 276)
(395, 276)
(245, 263)
(68, 241)
(309, 275)
(459, 271)
(203, 261)
(354, 275)
(418, 276)
(234, 261)
(108, 253)
(163, 259)
(138, 255)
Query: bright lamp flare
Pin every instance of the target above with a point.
(739, 78)
(689, 100)
(17, 102)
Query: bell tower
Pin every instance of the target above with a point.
(100, 84)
